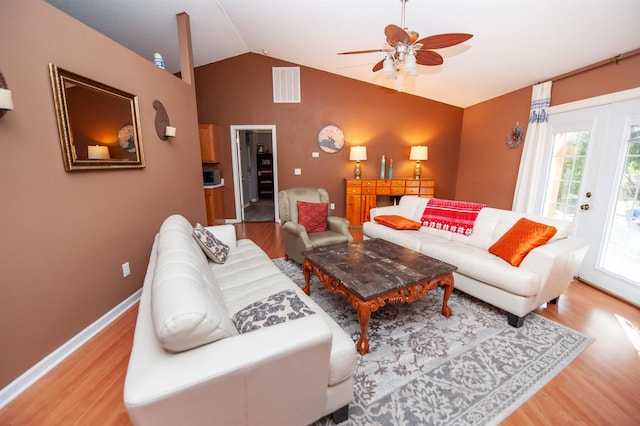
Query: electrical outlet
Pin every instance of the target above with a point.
(332, 206)
(297, 171)
(126, 270)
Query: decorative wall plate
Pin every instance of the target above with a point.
(126, 138)
(515, 137)
(331, 139)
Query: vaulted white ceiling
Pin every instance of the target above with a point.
(516, 43)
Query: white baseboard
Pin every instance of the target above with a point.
(19, 385)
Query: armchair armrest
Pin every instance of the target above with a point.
(340, 225)
(296, 229)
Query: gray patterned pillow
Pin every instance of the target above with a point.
(215, 249)
(275, 309)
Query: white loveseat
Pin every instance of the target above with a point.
(190, 366)
(544, 274)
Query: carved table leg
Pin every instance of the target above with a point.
(447, 283)
(306, 270)
(364, 314)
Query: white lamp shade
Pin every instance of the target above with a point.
(98, 152)
(419, 153)
(410, 65)
(389, 68)
(358, 153)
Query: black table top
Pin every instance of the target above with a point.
(373, 267)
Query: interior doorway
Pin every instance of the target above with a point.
(255, 172)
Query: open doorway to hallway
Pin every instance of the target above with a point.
(255, 172)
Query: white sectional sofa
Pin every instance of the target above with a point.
(544, 274)
(189, 364)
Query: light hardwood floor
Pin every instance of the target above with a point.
(600, 387)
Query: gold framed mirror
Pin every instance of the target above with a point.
(99, 125)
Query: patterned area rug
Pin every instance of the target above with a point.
(469, 369)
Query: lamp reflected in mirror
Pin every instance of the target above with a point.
(98, 152)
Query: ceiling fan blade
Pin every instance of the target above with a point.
(440, 41)
(378, 66)
(395, 34)
(428, 57)
(363, 51)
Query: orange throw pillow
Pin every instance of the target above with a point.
(397, 222)
(313, 216)
(524, 236)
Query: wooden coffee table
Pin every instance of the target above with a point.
(375, 272)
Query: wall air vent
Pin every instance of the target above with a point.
(286, 85)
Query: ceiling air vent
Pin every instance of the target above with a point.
(286, 85)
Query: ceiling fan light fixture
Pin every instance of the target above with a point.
(410, 64)
(389, 68)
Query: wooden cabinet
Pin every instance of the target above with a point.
(214, 202)
(361, 194)
(209, 144)
(360, 198)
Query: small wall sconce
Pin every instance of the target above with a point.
(6, 100)
(170, 132)
(418, 153)
(163, 127)
(98, 152)
(357, 154)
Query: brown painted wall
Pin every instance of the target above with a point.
(65, 235)
(488, 169)
(238, 91)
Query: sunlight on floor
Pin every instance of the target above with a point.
(632, 332)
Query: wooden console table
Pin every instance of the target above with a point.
(362, 194)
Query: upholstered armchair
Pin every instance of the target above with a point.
(308, 225)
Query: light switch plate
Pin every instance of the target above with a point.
(297, 171)
(315, 154)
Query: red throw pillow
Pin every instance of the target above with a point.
(397, 222)
(313, 216)
(517, 242)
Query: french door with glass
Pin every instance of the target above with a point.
(593, 158)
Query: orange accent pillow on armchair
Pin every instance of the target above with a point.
(524, 236)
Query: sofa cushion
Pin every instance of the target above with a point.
(412, 207)
(313, 216)
(186, 304)
(483, 266)
(275, 309)
(409, 239)
(524, 236)
(215, 249)
(249, 275)
(397, 222)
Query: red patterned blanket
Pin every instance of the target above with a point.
(453, 216)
